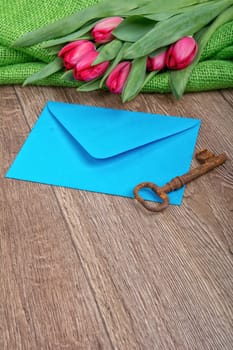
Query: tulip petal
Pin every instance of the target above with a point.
(157, 62)
(182, 53)
(108, 23)
(74, 51)
(86, 72)
(71, 46)
(86, 60)
(102, 31)
(117, 78)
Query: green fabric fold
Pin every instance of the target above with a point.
(9, 56)
(215, 71)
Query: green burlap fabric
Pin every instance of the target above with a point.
(215, 71)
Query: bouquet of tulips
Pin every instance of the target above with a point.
(122, 45)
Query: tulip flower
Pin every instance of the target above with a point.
(157, 62)
(117, 78)
(85, 71)
(74, 51)
(102, 31)
(182, 53)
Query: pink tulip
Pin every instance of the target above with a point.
(102, 31)
(84, 71)
(73, 52)
(157, 62)
(182, 53)
(117, 78)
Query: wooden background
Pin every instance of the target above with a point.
(81, 270)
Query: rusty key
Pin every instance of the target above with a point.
(208, 161)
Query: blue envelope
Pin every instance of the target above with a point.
(106, 150)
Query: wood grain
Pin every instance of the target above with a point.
(46, 300)
(98, 272)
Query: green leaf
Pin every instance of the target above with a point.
(158, 51)
(174, 28)
(108, 51)
(161, 16)
(158, 6)
(179, 79)
(158, 17)
(135, 80)
(133, 28)
(69, 24)
(79, 34)
(64, 41)
(113, 64)
(90, 86)
(48, 70)
(68, 75)
(54, 50)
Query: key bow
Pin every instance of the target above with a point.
(208, 161)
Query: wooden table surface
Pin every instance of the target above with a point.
(81, 270)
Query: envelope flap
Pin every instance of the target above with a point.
(105, 132)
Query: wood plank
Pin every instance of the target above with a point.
(228, 96)
(46, 300)
(160, 281)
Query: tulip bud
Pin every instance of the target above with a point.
(84, 71)
(157, 62)
(182, 53)
(74, 51)
(117, 78)
(102, 31)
